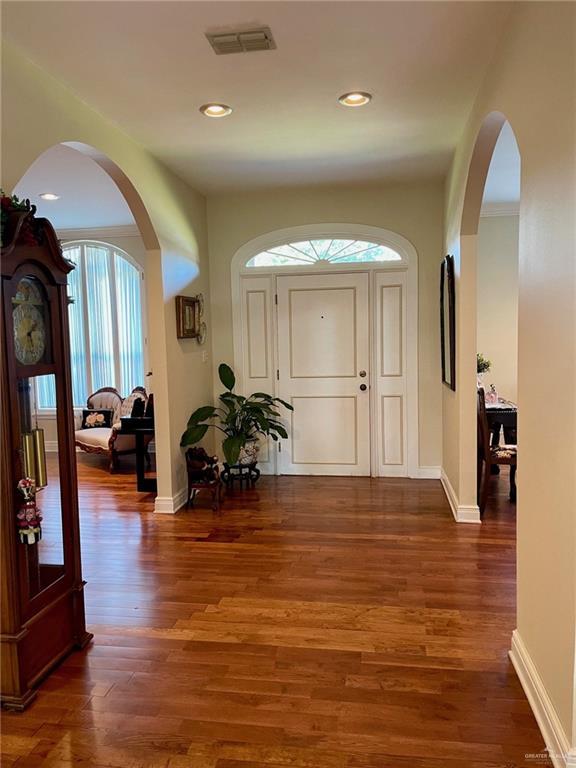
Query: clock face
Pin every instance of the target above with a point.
(28, 321)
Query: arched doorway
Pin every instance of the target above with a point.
(133, 225)
(350, 289)
(481, 159)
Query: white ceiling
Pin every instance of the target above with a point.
(89, 199)
(148, 67)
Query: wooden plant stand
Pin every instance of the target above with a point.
(203, 475)
(243, 473)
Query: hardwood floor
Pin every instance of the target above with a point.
(314, 623)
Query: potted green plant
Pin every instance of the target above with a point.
(240, 419)
(483, 365)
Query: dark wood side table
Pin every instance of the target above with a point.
(140, 427)
(243, 473)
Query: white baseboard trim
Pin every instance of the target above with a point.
(426, 473)
(468, 514)
(449, 491)
(555, 737)
(169, 505)
(463, 513)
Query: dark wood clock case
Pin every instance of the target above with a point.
(42, 599)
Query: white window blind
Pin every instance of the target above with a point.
(106, 324)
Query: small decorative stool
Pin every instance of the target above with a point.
(244, 473)
(203, 475)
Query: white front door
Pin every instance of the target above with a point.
(323, 371)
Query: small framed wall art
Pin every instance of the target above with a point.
(189, 323)
(448, 322)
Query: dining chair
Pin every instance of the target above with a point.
(491, 454)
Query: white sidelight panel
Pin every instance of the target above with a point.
(257, 370)
(391, 379)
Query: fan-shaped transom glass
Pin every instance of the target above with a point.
(323, 251)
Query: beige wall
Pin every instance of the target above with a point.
(532, 81)
(497, 302)
(39, 112)
(412, 210)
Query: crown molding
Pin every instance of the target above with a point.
(500, 209)
(99, 233)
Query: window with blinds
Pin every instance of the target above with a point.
(106, 323)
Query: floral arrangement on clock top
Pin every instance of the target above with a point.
(26, 235)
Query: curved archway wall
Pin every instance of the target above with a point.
(39, 112)
(531, 81)
(413, 210)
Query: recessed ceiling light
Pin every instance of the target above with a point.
(49, 196)
(215, 110)
(355, 99)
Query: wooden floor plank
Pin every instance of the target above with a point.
(314, 623)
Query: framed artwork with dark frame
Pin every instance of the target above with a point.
(448, 322)
(189, 314)
(187, 317)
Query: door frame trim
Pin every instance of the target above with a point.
(408, 264)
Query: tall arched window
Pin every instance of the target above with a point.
(323, 251)
(106, 323)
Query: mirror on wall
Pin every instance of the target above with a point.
(448, 322)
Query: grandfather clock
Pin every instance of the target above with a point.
(42, 599)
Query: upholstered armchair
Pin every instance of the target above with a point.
(99, 429)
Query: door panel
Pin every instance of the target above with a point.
(257, 327)
(391, 330)
(322, 317)
(317, 434)
(392, 429)
(390, 381)
(323, 344)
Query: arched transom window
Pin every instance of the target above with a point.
(323, 251)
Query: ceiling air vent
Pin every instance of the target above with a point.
(242, 42)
